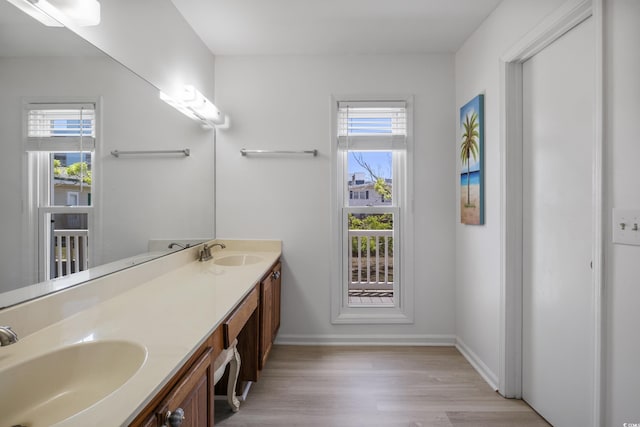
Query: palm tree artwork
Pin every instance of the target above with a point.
(469, 147)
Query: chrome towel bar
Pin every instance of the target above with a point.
(244, 152)
(117, 153)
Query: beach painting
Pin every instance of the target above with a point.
(471, 152)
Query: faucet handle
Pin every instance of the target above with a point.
(205, 253)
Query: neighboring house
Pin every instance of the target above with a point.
(69, 192)
(363, 193)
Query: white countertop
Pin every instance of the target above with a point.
(170, 315)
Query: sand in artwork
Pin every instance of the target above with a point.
(470, 212)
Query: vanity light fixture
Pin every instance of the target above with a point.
(55, 13)
(196, 106)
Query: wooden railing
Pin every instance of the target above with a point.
(71, 251)
(371, 259)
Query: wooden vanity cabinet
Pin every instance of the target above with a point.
(270, 288)
(191, 390)
(254, 322)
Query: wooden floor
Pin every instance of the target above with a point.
(373, 386)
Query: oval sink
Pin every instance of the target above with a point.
(58, 385)
(232, 260)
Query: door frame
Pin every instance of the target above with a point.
(566, 17)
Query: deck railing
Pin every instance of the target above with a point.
(371, 259)
(71, 251)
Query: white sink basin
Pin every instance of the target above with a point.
(237, 260)
(57, 385)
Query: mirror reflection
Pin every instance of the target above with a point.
(68, 204)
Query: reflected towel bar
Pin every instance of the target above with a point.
(186, 152)
(244, 152)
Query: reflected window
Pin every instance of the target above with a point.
(60, 142)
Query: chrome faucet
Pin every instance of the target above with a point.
(173, 244)
(205, 253)
(7, 336)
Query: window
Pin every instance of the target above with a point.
(60, 141)
(372, 280)
(73, 198)
(364, 195)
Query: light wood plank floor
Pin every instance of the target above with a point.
(373, 386)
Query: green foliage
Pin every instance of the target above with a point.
(382, 188)
(57, 168)
(78, 170)
(371, 222)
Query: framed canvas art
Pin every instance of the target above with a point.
(471, 151)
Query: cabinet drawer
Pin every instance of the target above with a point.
(236, 321)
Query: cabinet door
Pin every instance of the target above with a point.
(193, 395)
(266, 315)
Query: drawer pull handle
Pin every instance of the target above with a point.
(175, 418)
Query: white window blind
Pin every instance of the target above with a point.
(56, 127)
(372, 125)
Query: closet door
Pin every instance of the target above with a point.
(558, 297)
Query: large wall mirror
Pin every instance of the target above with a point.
(48, 74)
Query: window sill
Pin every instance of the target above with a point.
(372, 315)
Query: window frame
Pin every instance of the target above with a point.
(33, 158)
(402, 311)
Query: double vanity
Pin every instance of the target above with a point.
(143, 346)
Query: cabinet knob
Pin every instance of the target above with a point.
(174, 419)
(275, 274)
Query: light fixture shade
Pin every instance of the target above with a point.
(200, 105)
(178, 106)
(196, 106)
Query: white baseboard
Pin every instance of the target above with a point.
(416, 340)
(477, 363)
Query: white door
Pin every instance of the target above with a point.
(558, 305)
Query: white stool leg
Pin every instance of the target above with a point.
(229, 356)
(234, 370)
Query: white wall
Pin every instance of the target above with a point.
(282, 102)
(622, 151)
(142, 198)
(477, 280)
(478, 247)
(152, 38)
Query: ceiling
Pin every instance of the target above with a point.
(311, 27)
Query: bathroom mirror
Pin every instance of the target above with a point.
(124, 202)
